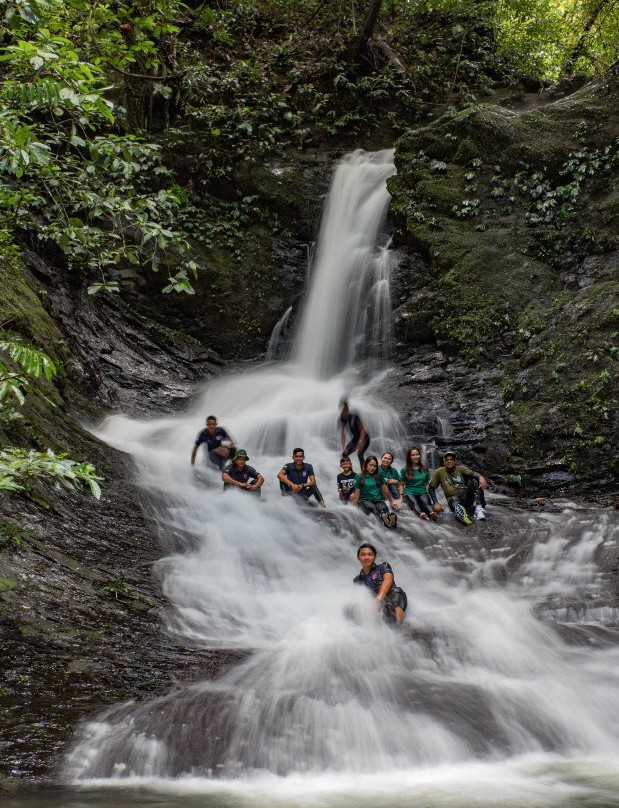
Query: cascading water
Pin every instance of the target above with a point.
(274, 346)
(481, 703)
(349, 292)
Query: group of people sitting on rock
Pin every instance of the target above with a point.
(379, 489)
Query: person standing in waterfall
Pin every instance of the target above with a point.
(414, 481)
(462, 487)
(219, 445)
(371, 492)
(298, 478)
(360, 439)
(391, 600)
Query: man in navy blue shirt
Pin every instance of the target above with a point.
(219, 445)
(360, 439)
(298, 478)
(237, 474)
(390, 599)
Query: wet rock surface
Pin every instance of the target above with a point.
(517, 295)
(81, 612)
(455, 407)
(81, 616)
(118, 358)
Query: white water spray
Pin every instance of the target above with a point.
(274, 347)
(348, 312)
(480, 686)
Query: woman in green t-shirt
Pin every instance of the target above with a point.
(390, 477)
(414, 479)
(370, 493)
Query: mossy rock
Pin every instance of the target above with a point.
(22, 311)
(504, 280)
(483, 298)
(7, 583)
(441, 192)
(284, 189)
(43, 423)
(571, 391)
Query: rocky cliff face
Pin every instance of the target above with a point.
(254, 273)
(80, 607)
(508, 288)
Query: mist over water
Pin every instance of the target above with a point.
(478, 701)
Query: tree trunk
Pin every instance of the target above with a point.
(579, 48)
(360, 42)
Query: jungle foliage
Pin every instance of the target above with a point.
(96, 98)
(20, 366)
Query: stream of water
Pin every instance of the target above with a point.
(478, 701)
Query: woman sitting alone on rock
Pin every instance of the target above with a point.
(414, 480)
(391, 600)
(370, 493)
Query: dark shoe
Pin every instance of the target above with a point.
(392, 520)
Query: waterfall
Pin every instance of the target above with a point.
(273, 348)
(443, 427)
(477, 701)
(348, 312)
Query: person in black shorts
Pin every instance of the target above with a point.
(391, 600)
(298, 478)
(219, 445)
(360, 440)
(345, 480)
(237, 474)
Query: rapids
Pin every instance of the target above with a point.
(479, 700)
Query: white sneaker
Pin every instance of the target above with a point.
(479, 512)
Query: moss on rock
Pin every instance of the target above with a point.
(22, 310)
(511, 272)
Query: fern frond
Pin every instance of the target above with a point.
(32, 360)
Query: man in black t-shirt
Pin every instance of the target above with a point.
(237, 474)
(219, 445)
(346, 480)
(360, 439)
(298, 478)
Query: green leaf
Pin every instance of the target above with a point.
(104, 286)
